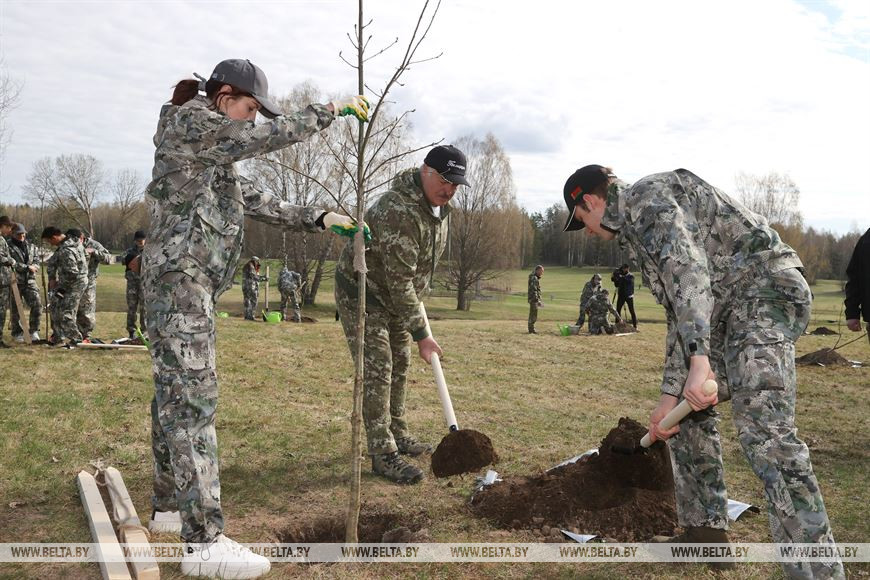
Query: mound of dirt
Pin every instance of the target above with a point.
(824, 331)
(623, 328)
(825, 357)
(628, 498)
(463, 451)
(376, 525)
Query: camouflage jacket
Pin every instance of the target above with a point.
(534, 293)
(24, 258)
(289, 281)
(6, 263)
(589, 289)
(407, 241)
(99, 256)
(251, 275)
(197, 199)
(599, 304)
(70, 265)
(694, 244)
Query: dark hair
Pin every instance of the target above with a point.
(138, 235)
(50, 232)
(73, 233)
(600, 190)
(189, 88)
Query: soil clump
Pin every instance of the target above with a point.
(628, 498)
(824, 331)
(463, 451)
(623, 328)
(825, 357)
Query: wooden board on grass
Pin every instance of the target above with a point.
(111, 558)
(124, 514)
(95, 346)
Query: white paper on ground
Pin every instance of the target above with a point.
(736, 509)
(579, 538)
(575, 459)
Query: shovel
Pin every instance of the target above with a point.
(446, 403)
(676, 415)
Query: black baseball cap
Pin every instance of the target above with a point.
(247, 77)
(582, 181)
(449, 162)
(138, 235)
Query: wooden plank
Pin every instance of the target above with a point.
(124, 514)
(22, 320)
(95, 346)
(102, 531)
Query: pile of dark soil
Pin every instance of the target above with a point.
(623, 327)
(376, 525)
(825, 357)
(463, 451)
(824, 331)
(628, 498)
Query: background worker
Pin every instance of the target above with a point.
(409, 233)
(198, 203)
(290, 285)
(69, 278)
(589, 289)
(26, 257)
(251, 279)
(623, 279)
(135, 294)
(858, 285)
(736, 302)
(87, 314)
(6, 264)
(599, 306)
(534, 296)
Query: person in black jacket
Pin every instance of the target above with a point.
(858, 285)
(623, 279)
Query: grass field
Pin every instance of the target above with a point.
(283, 425)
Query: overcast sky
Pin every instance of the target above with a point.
(715, 87)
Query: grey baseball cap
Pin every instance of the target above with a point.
(247, 77)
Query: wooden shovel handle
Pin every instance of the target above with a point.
(679, 412)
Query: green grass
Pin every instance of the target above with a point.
(283, 424)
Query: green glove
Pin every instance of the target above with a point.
(357, 105)
(344, 226)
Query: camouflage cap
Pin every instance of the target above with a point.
(19, 229)
(247, 77)
(5, 221)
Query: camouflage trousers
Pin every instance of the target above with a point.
(87, 314)
(183, 439)
(386, 362)
(31, 299)
(533, 315)
(250, 293)
(290, 299)
(135, 302)
(598, 324)
(582, 317)
(753, 354)
(64, 312)
(5, 300)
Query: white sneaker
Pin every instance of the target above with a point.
(19, 338)
(223, 558)
(34, 336)
(165, 522)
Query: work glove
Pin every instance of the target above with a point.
(356, 105)
(342, 225)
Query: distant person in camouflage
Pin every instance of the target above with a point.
(198, 203)
(857, 300)
(534, 296)
(736, 302)
(135, 292)
(69, 274)
(409, 233)
(599, 307)
(251, 279)
(290, 285)
(6, 264)
(591, 287)
(87, 314)
(26, 257)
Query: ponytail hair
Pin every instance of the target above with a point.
(184, 91)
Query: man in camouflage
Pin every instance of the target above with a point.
(26, 257)
(68, 271)
(251, 279)
(198, 203)
(736, 302)
(289, 285)
(6, 264)
(599, 307)
(534, 296)
(591, 287)
(87, 314)
(409, 233)
(135, 293)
